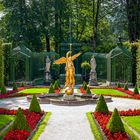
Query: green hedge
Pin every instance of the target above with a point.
(1, 65)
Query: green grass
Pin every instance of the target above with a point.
(4, 120)
(34, 91)
(41, 126)
(134, 122)
(108, 91)
(93, 127)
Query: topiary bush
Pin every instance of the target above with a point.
(126, 86)
(84, 86)
(101, 105)
(3, 90)
(118, 85)
(51, 89)
(58, 82)
(55, 86)
(88, 90)
(115, 123)
(20, 121)
(136, 91)
(34, 106)
(15, 86)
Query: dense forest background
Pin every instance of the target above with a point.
(45, 24)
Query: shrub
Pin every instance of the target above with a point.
(84, 86)
(55, 86)
(34, 106)
(20, 122)
(58, 82)
(88, 90)
(136, 91)
(101, 105)
(15, 86)
(51, 89)
(118, 85)
(3, 90)
(115, 123)
(126, 86)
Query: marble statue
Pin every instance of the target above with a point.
(47, 69)
(93, 74)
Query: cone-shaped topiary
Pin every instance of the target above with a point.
(126, 86)
(136, 91)
(34, 106)
(84, 86)
(20, 122)
(118, 85)
(3, 90)
(115, 123)
(88, 90)
(101, 105)
(55, 86)
(58, 82)
(51, 89)
(15, 86)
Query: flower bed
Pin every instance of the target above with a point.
(129, 92)
(32, 119)
(102, 121)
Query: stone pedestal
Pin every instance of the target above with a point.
(93, 78)
(69, 97)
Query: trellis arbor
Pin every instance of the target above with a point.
(114, 66)
(29, 66)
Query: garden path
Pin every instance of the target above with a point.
(68, 123)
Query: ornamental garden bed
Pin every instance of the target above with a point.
(106, 125)
(27, 123)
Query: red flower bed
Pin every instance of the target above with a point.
(103, 119)
(129, 92)
(130, 112)
(17, 135)
(82, 90)
(32, 119)
(57, 90)
(6, 95)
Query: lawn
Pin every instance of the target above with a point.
(108, 91)
(4, 120)
(34, 91)
(134, 122)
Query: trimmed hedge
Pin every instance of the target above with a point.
(88, 90)
(20, 122)
(136, 91)
(115, 123)
(51, 89)
(101, 105)
(3, 90)
(34, 106)
(126, 86)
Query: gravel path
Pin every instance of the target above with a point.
(69, 123)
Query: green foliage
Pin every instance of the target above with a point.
(85, 65)
(58, 82)
(84, 86)
(136, 91)
(93, 126)
(118, 85)
(138, 63)
(126, 86)
(56, 86)
(51, 89)
(3, 89)
(115, 123)
(15, 86)
(88, 90)
(101, 105)
(1, 65)
(20, 121)
(34, 106)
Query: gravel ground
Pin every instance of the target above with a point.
(69, 123)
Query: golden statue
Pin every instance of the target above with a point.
(70, 71)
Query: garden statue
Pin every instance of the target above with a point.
(70, 71)
(93, 74)
(47, 69)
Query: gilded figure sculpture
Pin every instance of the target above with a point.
(70, 71)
